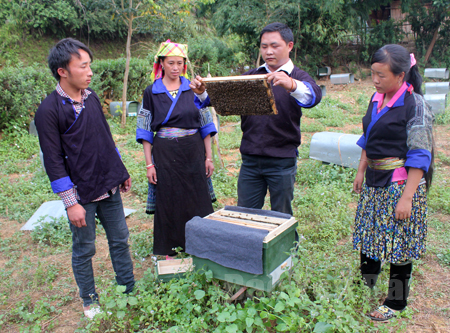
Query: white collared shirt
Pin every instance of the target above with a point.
(302, 93)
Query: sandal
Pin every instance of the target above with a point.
(385, 312)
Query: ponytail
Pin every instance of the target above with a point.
(415, 79)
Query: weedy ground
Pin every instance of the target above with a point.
(321, 293)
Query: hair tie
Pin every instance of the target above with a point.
(413, 59)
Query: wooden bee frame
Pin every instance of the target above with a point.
(244, 95)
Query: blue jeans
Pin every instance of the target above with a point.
(110, 213)
(259, 173)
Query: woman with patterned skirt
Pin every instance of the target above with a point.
(397, 164)
(178, 157)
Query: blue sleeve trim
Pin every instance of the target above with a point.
(61, 185)
(142, 134)
(418, 158)
(201, 105)
(117, 150)
(362, 142)
(313, 101)
(209, 128)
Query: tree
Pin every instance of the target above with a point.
(430, 22)
(317, 24)
(129, 13)
(138, 15)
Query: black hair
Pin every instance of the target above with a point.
(61, 54)
(283, 29)
(399, 60)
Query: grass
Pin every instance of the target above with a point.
(319, 294)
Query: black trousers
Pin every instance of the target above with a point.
(399, 277)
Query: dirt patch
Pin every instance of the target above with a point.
(8, 228)
(227, 201)
(14, 178)
(229, 127)
(430, 298)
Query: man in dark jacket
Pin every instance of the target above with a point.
(269, 142)
(84, 167)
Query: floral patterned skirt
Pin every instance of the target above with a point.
(379, 235)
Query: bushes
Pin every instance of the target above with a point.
(21, 91)
(108, 78)
(23, 88)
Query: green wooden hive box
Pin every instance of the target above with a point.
(277, 246)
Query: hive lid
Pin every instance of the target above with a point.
(274, 225)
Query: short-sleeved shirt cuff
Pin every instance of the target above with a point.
(362, 142)
(201, 104)
(419, 159)
(142, 134)
(208, 129)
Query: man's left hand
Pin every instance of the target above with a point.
(126, 186)
(283, 80)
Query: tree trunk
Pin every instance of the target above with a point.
(258, 61)
(430, 48)
(127, 70)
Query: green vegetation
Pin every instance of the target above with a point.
(320, 294)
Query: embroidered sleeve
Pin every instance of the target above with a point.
(144, 121)
(420, 136)
(206, 123)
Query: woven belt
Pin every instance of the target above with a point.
(388, 163)
(174, 132)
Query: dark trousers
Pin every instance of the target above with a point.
(259, 173)
(399, 277)
(110, 213)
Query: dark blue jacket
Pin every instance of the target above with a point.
(78, 151)
(278, 135)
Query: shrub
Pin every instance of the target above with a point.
(21, 91)
(108, 78)
(23, 88)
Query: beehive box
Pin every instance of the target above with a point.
(173, 269)
(277, 246)
(336, 148)
(243, 95)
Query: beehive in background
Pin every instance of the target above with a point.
(243, 95)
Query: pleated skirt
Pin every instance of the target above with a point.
(379, 235)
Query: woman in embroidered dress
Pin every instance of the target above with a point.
(397, 162)
(178, 157)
